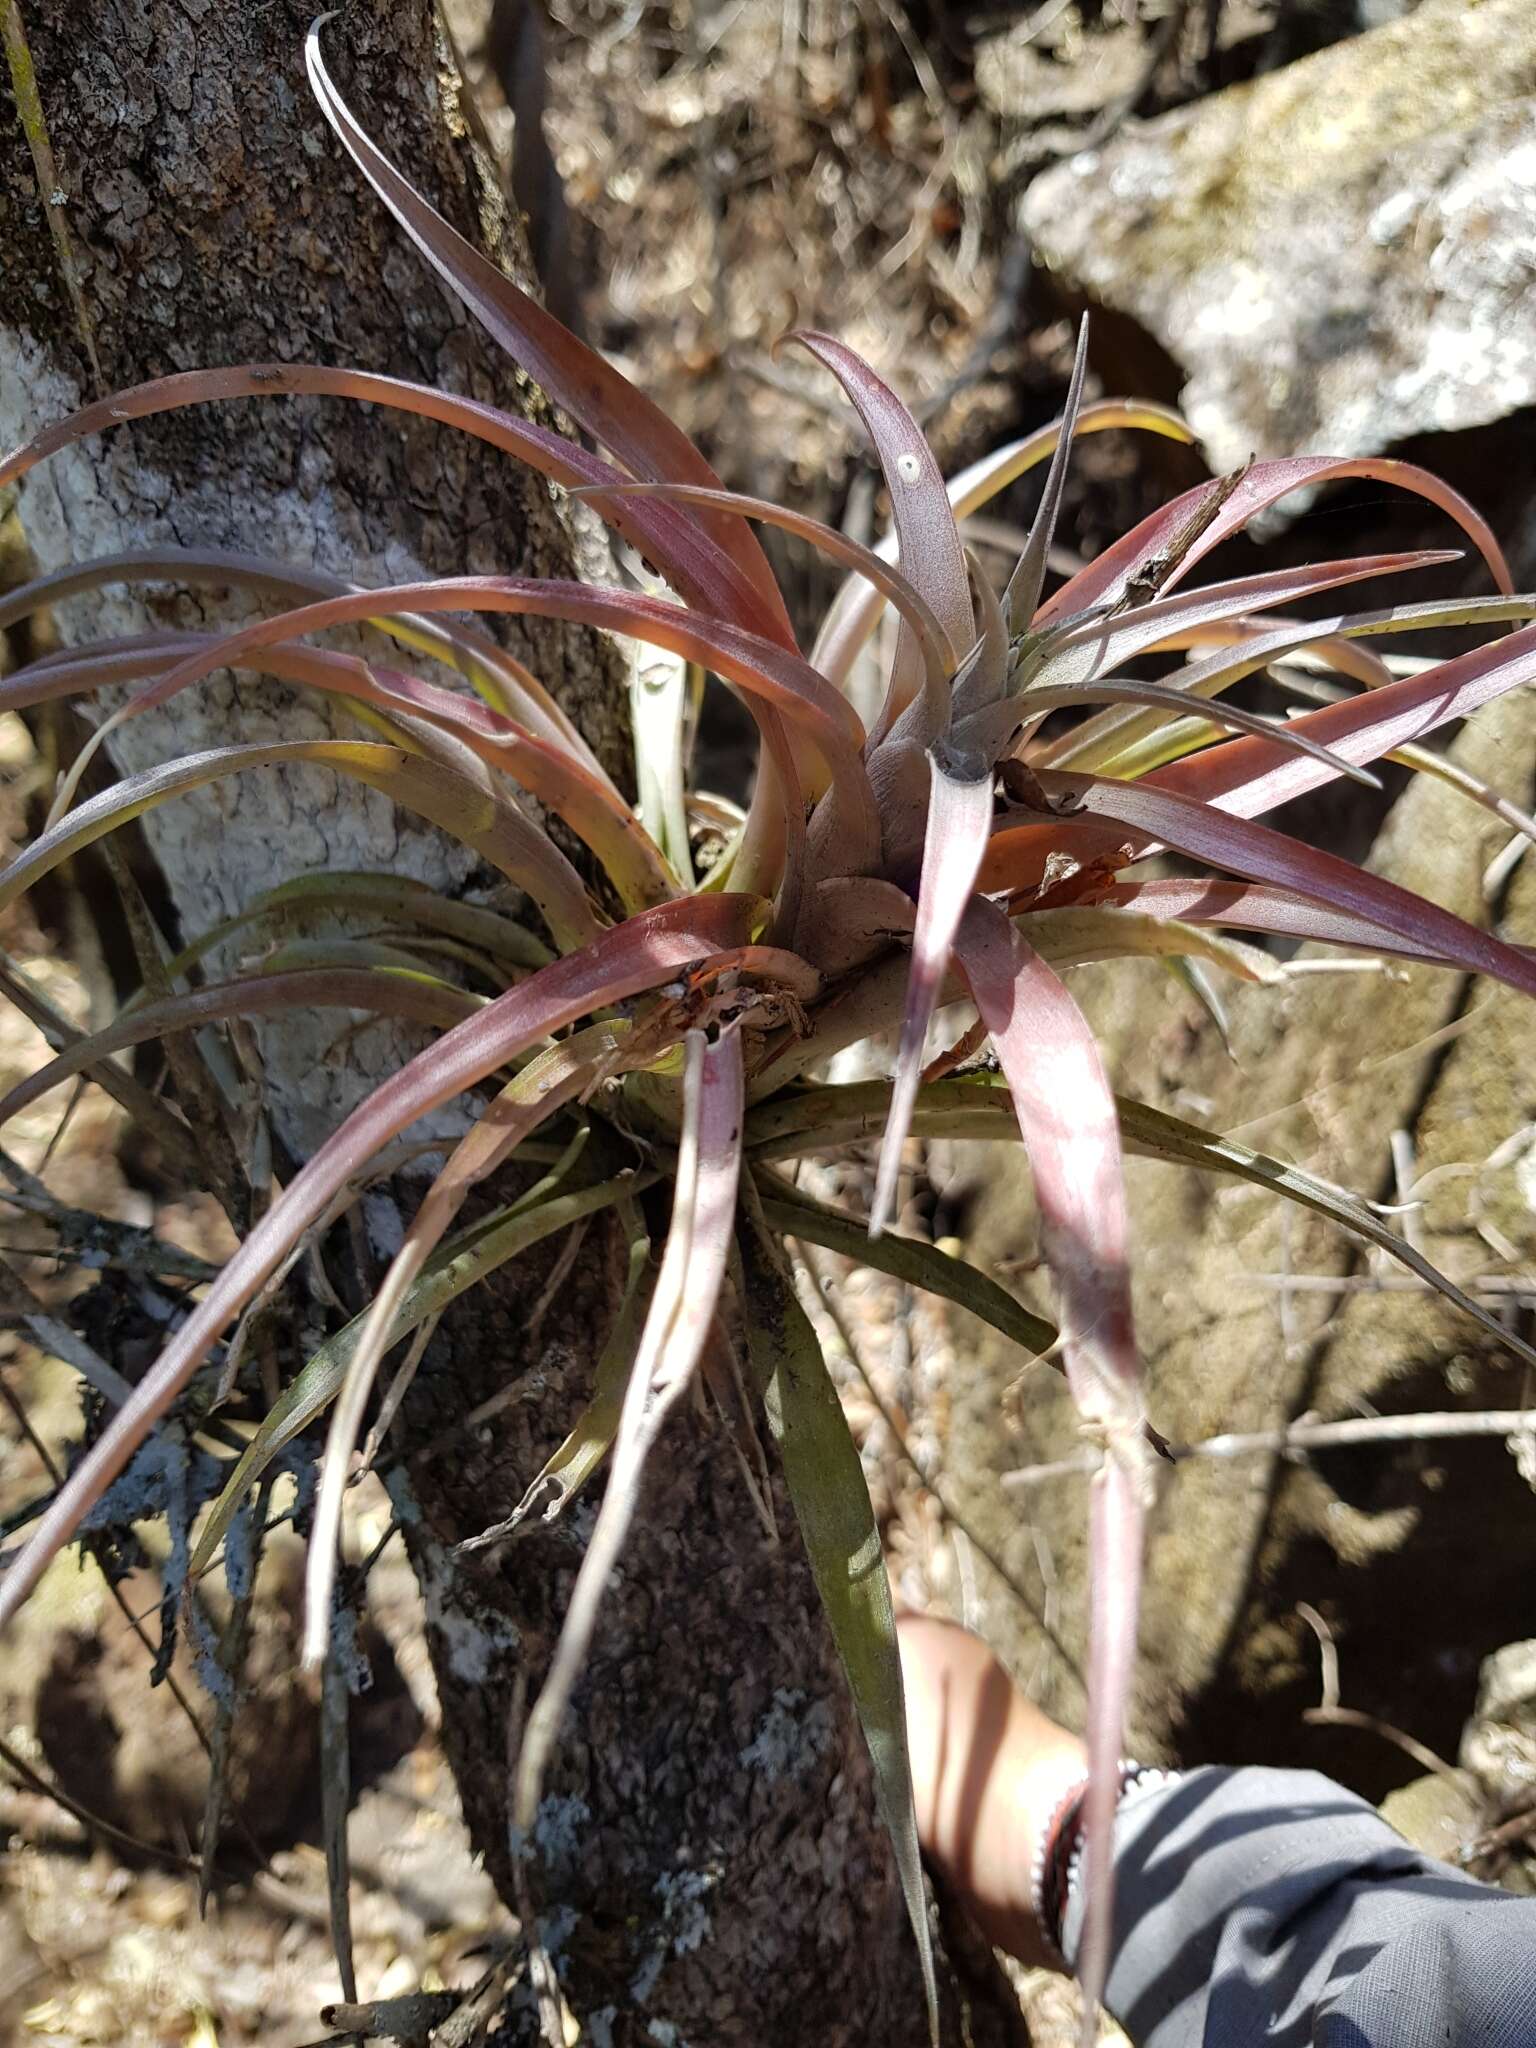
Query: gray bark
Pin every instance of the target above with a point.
(712, 1862)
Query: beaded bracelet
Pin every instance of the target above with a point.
(1059, 1853)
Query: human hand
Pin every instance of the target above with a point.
(988, 1771)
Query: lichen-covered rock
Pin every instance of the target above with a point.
(1337, 255)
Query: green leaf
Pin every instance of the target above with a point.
(905, 1258)
(570, 1467)
(978, 1106)
(458, 1266)
(496, 829)
(837, 1522)
(658, 698)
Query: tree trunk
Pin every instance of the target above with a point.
(712, 1866)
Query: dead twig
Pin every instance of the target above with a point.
(1311, 1435)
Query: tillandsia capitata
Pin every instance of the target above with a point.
(672, 1032)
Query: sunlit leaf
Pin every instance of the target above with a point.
(794, 1214)
(682, 1308)
(856, 612)
(574, 375)
(1148, 815)
(929, 550)
(959, 820)
(1112, 574)
(1067, 1119)
(620, 963)
(471, 812)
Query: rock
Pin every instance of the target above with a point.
(1337, 255)
(1437, 1814)
(1499, 1746)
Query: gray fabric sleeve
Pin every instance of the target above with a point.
(1258, 1906)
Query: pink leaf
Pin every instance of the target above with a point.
(1110, 576)
(623, 962)
(773, 678)
(1071, 1130)
(595, 395)
(1117, 1513)
(380, 991)
(959, 819)
(1067, 1119)
(939, 653)
(581, 795)
(1098, 645)
(679, 547)
(1156, 816)
(931, 556)
(434, 789)
(678, 1321)
(544, 1086)
(1249, 776)
(856, 610)
(471, 653)
(1257, 908)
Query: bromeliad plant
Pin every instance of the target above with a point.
(947, 854)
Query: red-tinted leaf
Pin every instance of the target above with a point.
(544, 1086)
(766, 674)
(581, 795)
(484, 662)
(433, 789)
(1070, 1127)
(624, 962)
(1154, 816)
(595, 395)
(1249, 776)
(678, 546)
(1098, 646)
(1099, 746)
(1067, 1119)
(853, 615)
(939, 654)
(1117, 1510)
(676, 1325)
(383, 992)
(1266, 483)
(959, 819)
(930, 553)
(1256, 908)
